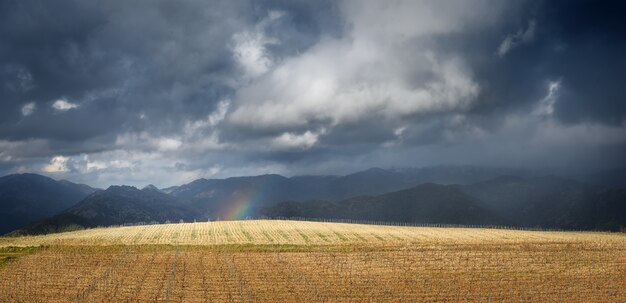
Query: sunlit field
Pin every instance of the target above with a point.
(294, 261)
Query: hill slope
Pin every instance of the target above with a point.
(36, 197)
(426, 203)
(375, 194)
(115, 206)
(552, 202)
(210, 196)
(280, 232)
(25, 198)
(287, 261)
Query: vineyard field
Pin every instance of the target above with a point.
(295, 261)
(284, 232)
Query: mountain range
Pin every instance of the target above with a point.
(552, 202)
(424, 203)
(451, 195)
(117, 205)
(211, 196)
(29, 197)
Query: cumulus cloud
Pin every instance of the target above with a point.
(167, 144)
(367, 74)
(163, 93)
(318, 91)
(546, 105)
(95, 165)
(218, 115)
(146, 141)
(57, 164)
(63, 105)
(18, 78)
(28, 108)
(212, 120)
(305, 140)
(128, 167)
(522, 36)
(398, 133)
(249, 46)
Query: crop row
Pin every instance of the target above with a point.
(458, 272)
(302, 233)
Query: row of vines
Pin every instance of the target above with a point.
(429, 273)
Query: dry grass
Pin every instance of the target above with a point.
(270, 232)
(283, 261)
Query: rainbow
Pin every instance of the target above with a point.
(242, 204)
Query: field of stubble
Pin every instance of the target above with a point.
(293, 261)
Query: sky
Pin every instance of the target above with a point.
(165, 92)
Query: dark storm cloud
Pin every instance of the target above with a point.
(581, 44)
(161, 90)
(591, 60)
(169, 61)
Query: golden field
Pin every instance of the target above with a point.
(295, 261)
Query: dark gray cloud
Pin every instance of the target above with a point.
(164, 92)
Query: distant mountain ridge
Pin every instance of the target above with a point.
(448, 195)
(425, 203)
(209, 195)
(553, 202)
(116, 205)
(25, 198)
(548, 202)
